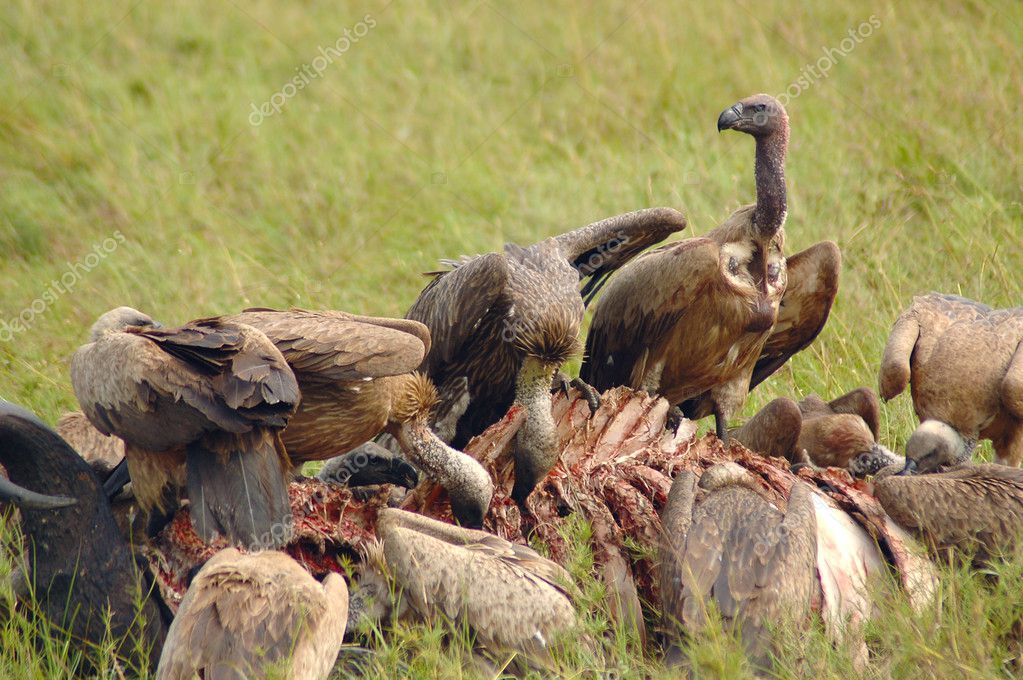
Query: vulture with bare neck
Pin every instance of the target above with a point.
(201, 407)
(503, 323)
(963, 362)
(357, 376)
(704, 320)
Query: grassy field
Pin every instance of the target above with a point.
(194, 158)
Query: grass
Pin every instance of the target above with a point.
(450, 128)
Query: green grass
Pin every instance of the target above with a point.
(450, 128)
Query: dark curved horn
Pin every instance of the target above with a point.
(23, 498)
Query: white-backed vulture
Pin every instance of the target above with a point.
(250, 615)
(975, 509)
(724, 543)
(357, 376)
(839, 433)
(964, 363)
(198, 406)
(704, 320)
(511, 597)
(504, 322)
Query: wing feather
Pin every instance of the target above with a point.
(641, 305)
(812, 286)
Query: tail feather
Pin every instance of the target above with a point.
(237, 488)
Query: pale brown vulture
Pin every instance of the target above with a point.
(724, 543)
(358, 379)
(704, 320)
(964, 362)
(256, 615)
(511, 597)
(201, 405)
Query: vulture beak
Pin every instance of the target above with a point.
(729, 117)
(23, 498)
(909, 469)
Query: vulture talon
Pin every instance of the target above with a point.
(560, 384)
(674, 419)
(590, 394)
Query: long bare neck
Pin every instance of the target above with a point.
(769, 215)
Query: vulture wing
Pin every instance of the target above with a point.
(602, 247)
(862, 402)
(645, 300)
(338, 347)
(509, 608)
(974, 504)
(812, 286)
(455, 302)
(245, 615)
(205, 375)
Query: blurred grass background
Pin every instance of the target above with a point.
(451, 128)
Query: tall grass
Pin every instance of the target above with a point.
(450, 128)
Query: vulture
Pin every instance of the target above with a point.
(704, 320)
(80, 570)
(199, 406)
(839, 433)
(514, 600)
(503, 323)
(256, 615)
(724, 543)
(358, 379)
(964, 363)
(977, 509)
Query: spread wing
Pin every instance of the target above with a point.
(455, 302)
(602, 247)
(239, 619)
(338, 347)
(812, 285)
(640, 306)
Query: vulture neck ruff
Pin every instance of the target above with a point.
(769, 170)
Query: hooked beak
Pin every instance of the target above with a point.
(909, 469)
(729, 117)
(23, 498)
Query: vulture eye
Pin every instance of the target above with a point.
(759, 108)
(773, 272)
(733, 266)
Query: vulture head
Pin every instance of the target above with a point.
(120, 318)
(760, 115)
(935, 444)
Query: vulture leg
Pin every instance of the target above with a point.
(561, 384)
(118, 478)
(589, 393)
(720, 425)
